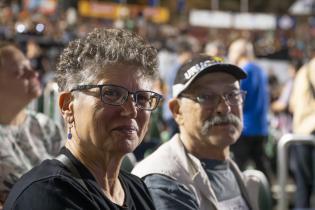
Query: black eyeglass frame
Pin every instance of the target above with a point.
(199, 99)
(134, 94)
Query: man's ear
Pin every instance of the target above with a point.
(174, 106)
(66, 106)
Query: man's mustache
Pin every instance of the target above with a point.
(220, 120)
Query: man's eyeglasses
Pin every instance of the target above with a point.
(116, 95)
(212, 100)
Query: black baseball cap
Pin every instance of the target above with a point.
(200, 65)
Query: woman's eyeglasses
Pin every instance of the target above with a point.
(116, 95)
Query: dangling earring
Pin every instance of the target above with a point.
(69, 135)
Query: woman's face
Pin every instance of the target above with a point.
(101, 128)
(18, 81)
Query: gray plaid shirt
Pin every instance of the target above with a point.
(24, 146)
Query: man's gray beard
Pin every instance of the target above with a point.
(217, 120)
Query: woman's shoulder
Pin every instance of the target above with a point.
(46, 181)
(136, 191)
(48, 186)
(132, 182)
(47, 171)
(131, 179)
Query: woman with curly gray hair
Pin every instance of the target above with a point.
(106, 98)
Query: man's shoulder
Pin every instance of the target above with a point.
(164, 160)
(161, 181)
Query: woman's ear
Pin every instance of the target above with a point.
(174, 106)
(66, 106)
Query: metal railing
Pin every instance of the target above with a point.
(49, 103)
(51, 98)
(282, 163)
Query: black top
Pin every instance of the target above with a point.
(51, 186)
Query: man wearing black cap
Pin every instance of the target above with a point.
(193, 170)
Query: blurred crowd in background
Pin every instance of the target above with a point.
(42, 37)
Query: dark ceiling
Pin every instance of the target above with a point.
(265, 6)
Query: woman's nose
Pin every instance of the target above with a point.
(130, 107)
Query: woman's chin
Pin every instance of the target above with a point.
(127, 145)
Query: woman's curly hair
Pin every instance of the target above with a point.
(85, 58)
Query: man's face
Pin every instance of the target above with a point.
(211, 111)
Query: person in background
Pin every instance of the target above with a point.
(106, 99)
(26, 137)
(280, 107)
(302, 105)
(156, 131)
(250, 146)
(193, 170)
(215, 48)
(184, 51)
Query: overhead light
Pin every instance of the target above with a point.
(20, 28)
(40, 27)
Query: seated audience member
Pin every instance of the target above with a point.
(26, 137)
(106, 82)
(193, 170)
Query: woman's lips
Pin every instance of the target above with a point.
(126, 129)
